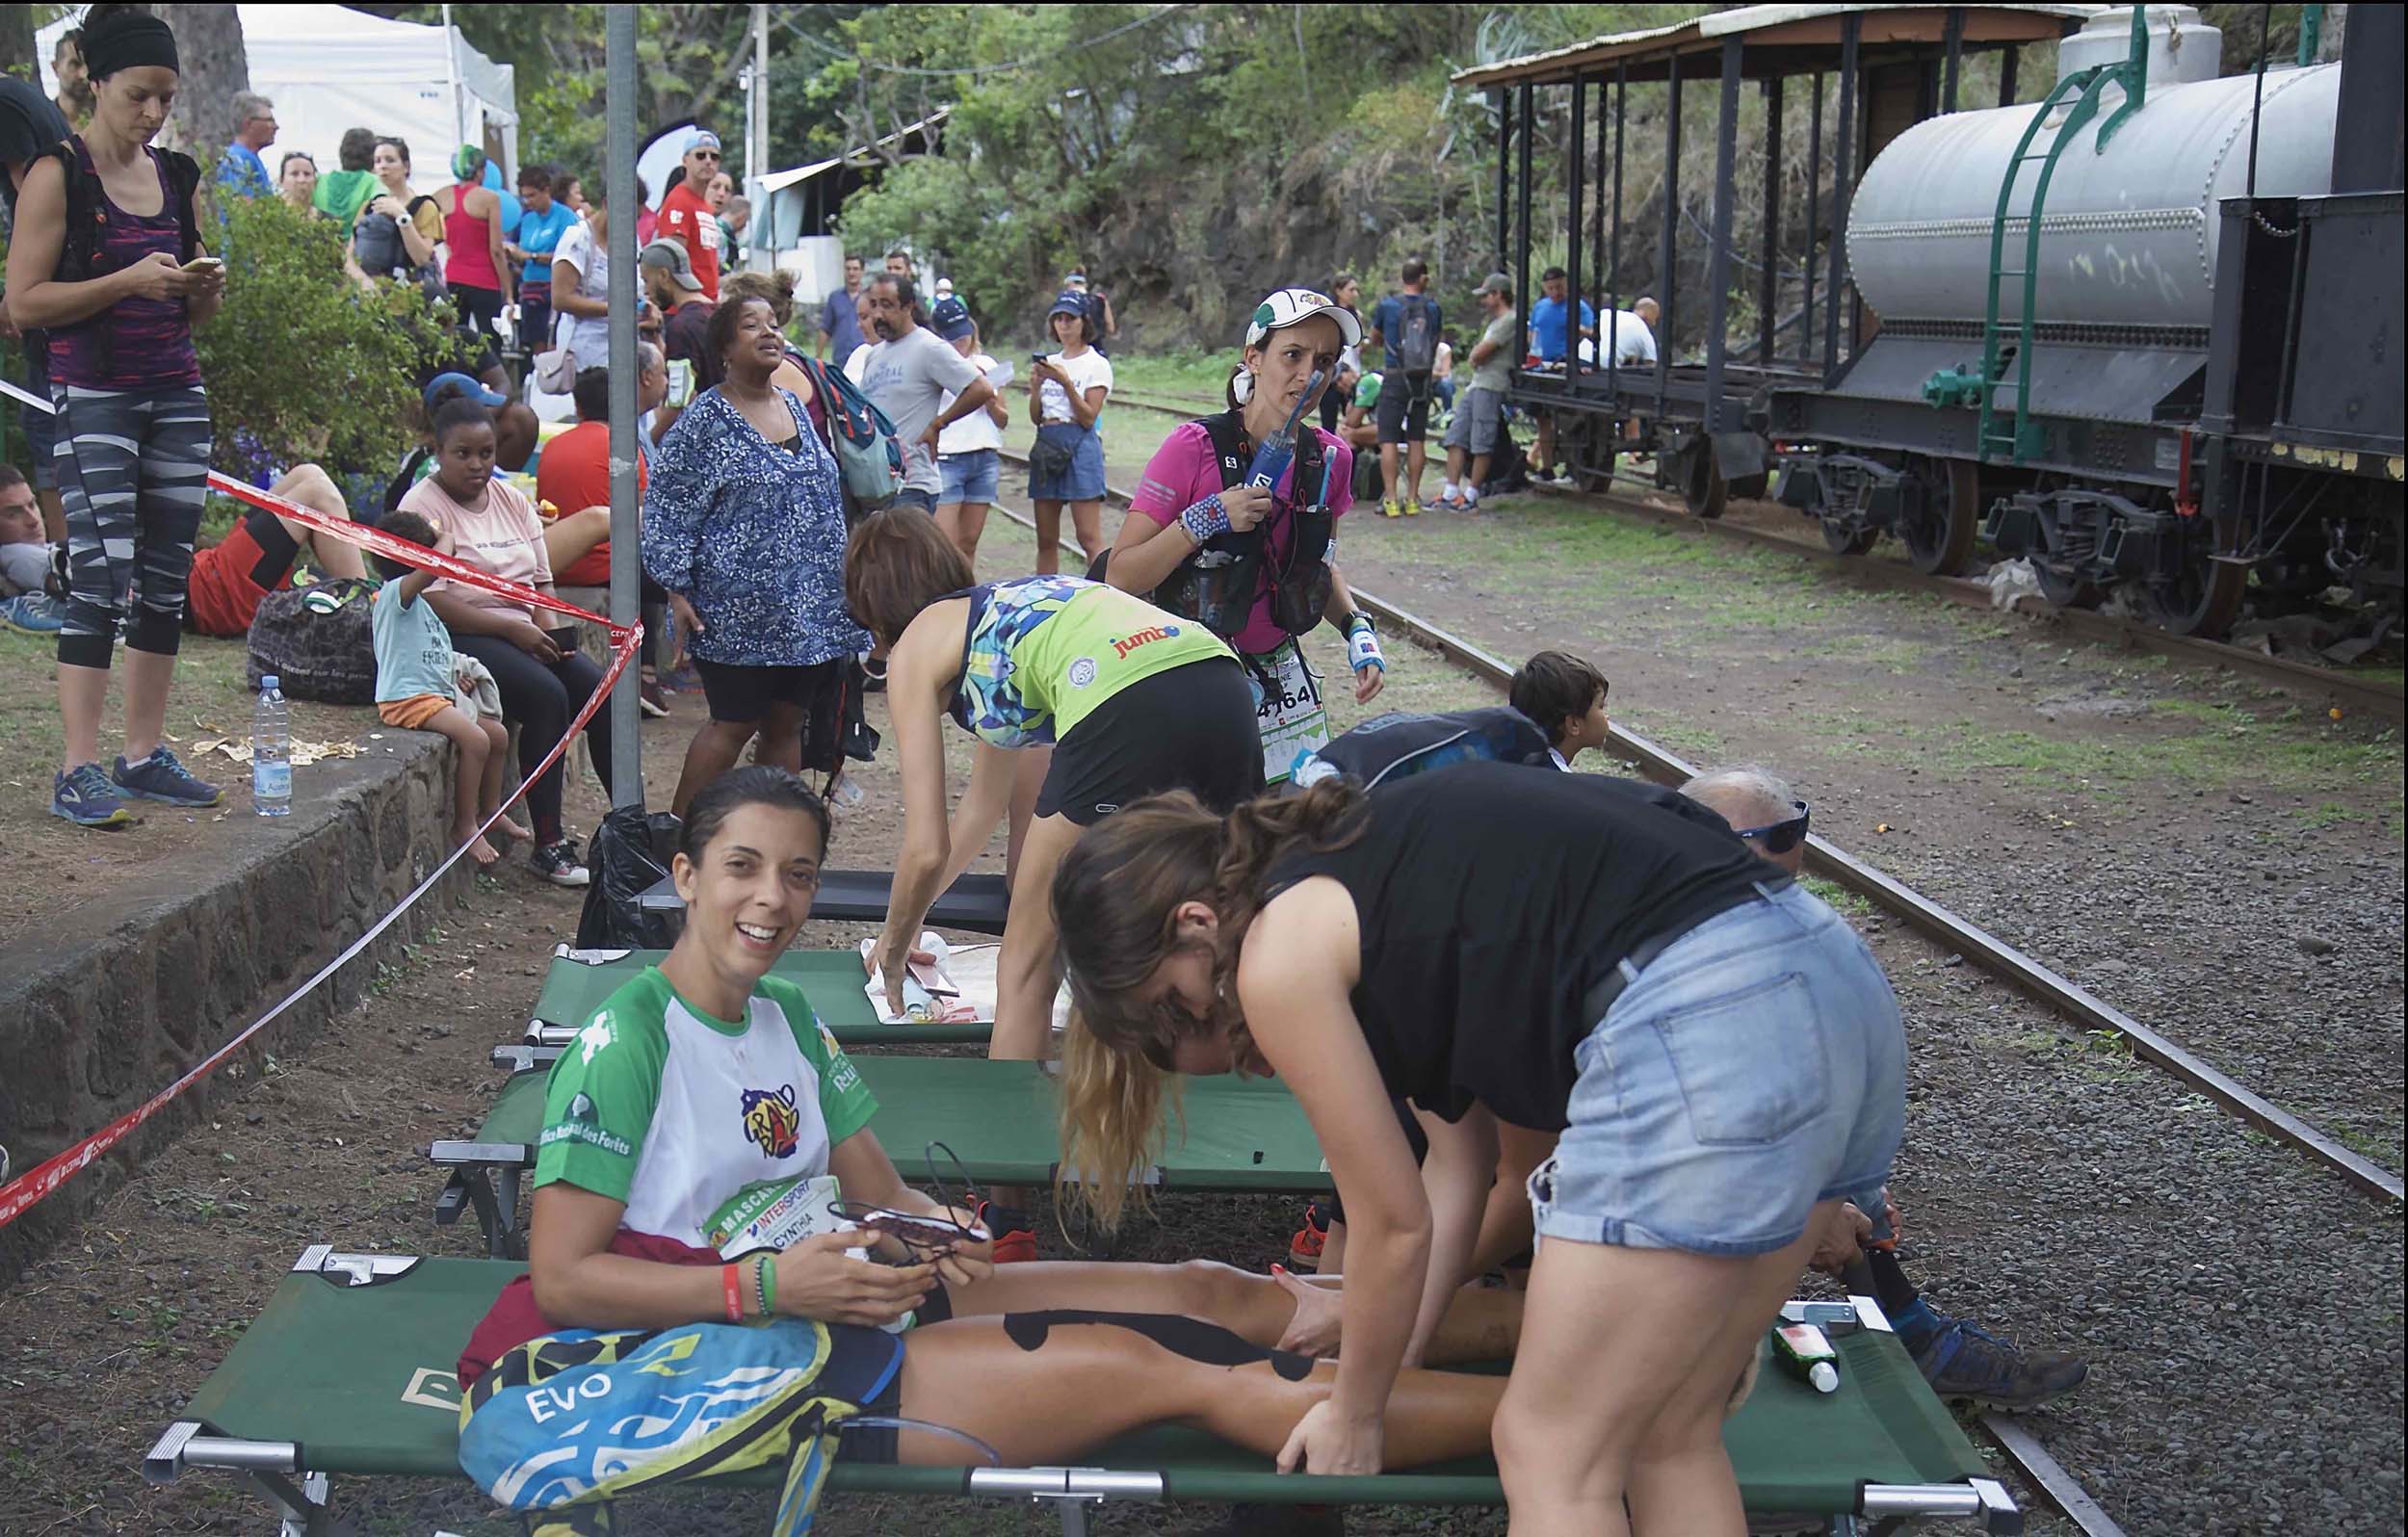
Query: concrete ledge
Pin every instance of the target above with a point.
(114, 998)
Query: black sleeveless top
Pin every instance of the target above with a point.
(1491, 896)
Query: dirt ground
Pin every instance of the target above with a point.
(2057, 1186)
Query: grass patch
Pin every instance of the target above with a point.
(1839, 897)
(1175, 376)
(211, 686)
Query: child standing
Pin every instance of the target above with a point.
(418, 687)
(1565, 696)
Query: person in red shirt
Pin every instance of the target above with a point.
(573, 495)
(686, 217)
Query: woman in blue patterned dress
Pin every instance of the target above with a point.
(743, 524)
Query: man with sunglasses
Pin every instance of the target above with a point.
(1957, 1357)
(687, 219)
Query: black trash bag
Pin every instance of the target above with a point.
(629, 855)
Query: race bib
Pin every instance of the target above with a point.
(776, 1214)
(1288, 710)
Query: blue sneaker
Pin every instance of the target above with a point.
(161, 777)
(33, 613)
(85, 797)
(1964, 1360)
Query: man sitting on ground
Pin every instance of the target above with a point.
(1957, 1357)
(25, 601)
(230, 576)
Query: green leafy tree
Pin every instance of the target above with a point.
(301, 361)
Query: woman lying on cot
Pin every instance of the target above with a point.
(701, 1111)
(1132, 700)
(1499, 945)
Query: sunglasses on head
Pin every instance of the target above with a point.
(1780, 837)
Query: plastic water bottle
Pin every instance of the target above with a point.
(271, 751)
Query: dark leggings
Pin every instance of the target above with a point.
(543, 700)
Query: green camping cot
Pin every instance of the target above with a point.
(579, 980)
(975, 903)
(1226, 1134)
(349, 1372)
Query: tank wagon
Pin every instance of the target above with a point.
(2145, 332)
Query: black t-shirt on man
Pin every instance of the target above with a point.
(1491, 898)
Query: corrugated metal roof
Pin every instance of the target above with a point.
(1900, 23)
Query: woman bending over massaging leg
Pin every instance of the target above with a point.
(703, 1093)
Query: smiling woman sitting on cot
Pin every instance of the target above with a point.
(700, 1114)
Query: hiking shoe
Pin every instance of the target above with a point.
(1963, 1359)
(651, 700)
(558, 864)
(1390, 510)
(1304, 1250)
(33, 613)
(162, 777)
(85, 797)
(1009, 1227)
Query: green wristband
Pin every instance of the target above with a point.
(764, 1285)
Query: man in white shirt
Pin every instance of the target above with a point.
(969, 452)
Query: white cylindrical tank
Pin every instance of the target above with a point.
(2182, 48)
(2127, 237)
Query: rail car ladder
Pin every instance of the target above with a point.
(2009, 430)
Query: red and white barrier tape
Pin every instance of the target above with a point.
(29, 1188)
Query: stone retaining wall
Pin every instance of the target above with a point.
(119, 995)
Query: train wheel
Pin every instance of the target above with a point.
(1840, 539)
(1705, 492)
(2062, 590)
(1941, 538)
(1595, 474)
(2203, 601)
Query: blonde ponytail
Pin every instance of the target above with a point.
(1112, 1130)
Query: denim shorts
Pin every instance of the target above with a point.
(968, 478)
(1753, 1068)
(1085, 479)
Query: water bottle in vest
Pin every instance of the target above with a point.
(271, 751)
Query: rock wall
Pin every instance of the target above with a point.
(119, 995)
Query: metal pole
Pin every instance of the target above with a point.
(1843, 184)
(2006, 75)
(1614, 268)
(618, 140)
(1671, 217)
(1718, 260)
(1503, 101)
(450, 71)
(1768, 290)
(1954, 36)
(1522, 217)
(757, 152)
(1578, 175)
(1814, 221)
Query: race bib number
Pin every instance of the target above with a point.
(776, 1214)
(1288, 711)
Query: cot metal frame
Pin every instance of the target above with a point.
(302, 1498)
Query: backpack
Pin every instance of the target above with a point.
(863, 440)
(1509, 468)
(377, 244)
(329, 657)
(1398, 746)
(1219, 585)
(1417, 334)
(1369, 484)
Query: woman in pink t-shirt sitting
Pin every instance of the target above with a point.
(543, 679)
(1259, 565)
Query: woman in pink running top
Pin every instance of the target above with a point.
(474, 268)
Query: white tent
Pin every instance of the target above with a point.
(329, 68)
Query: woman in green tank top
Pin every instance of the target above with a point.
(1131, 701)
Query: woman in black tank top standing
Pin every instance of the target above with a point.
(1505, 947)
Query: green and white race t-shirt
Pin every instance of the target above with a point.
(694, 1121)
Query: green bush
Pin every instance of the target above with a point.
(301, 362)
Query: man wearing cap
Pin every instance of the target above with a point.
(671, 283)
(1480, 416)
(909, 373)
(684, 217)
(969, 448)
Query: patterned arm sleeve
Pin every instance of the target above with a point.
(673, 503)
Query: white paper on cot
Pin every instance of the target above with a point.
(930, 997)
(1288, 711)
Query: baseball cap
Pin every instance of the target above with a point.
(443, 386)
(1494, 283)
(671, 253)
(1069, 302)
(705, 139)
(944, 288)
(1292, 306)
(951, 320)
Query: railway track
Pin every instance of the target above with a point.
(2381, 698)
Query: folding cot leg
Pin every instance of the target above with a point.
(1068, 1490)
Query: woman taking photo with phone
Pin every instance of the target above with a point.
(107, 259)
(1067, 393)
(1257, 564)
(1501, 945)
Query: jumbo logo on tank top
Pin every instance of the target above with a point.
(771, 1120)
